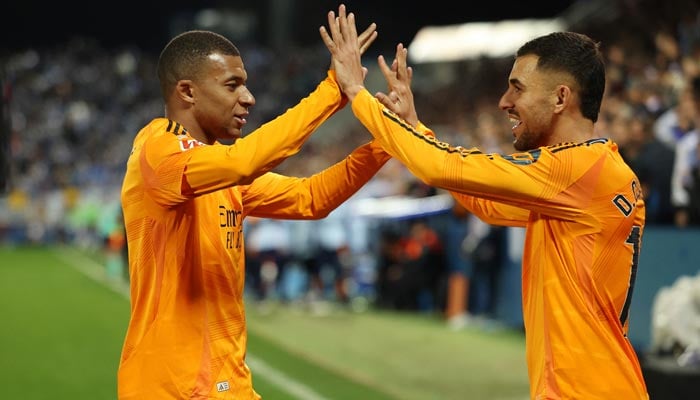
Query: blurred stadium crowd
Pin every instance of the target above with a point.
(74, 110)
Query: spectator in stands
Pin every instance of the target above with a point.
(694, 191)
(330, 264)
(267, 253)
(689, 29)
(473, 257)
(686, 160)
(459, 268)
(390, 273)
(185, 196)
(652, 162)
(484, 247)
(581, 204)
(677, 120)
(424, 248)
(410, 267)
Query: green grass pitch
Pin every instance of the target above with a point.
(63, 322)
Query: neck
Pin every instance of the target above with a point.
(189, 123)
(577, 131)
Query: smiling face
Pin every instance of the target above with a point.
(220, 97)
(530, 103)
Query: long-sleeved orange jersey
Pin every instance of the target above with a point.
(184, 203)
(584, 215)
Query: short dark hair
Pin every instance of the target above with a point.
(577, 55)
(184, 55)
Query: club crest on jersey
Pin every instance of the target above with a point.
(187, 142)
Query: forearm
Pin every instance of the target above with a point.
(336, 184)
(276, 196)
(493, 212)
(276, 140)
(519, 180)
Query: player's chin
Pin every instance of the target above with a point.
(520, 145)
(234, 133)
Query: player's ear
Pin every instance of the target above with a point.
(564, 97)
(184, 90)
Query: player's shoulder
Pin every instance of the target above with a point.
(163, 127)
(592, 145)
(166, 135)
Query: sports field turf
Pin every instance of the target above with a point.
(63, 323)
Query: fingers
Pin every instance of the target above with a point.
(327, 40)
(367, 34)
(394, 97)
(334, 26)
(399, 71)
(329, 37)
(335, 37)
(398, 75)
(401, 61)
(342, 28)
(342, 22)
(367, 37)
(388, 102)
(388, 73)
(384, 99)
(347, 25)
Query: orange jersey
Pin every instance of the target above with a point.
(184, 203)
(584, 216)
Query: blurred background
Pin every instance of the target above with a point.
(78, 81)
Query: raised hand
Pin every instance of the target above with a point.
(346, 48)
(399, 98)
(366, 38)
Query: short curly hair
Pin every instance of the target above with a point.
(184, 55)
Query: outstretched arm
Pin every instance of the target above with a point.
(518, 180)
(277, 196)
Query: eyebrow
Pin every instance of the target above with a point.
(235, 77)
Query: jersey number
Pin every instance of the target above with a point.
(634, 240)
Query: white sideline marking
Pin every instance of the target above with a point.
(291, 386)
(92, 269)
(96, 272)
